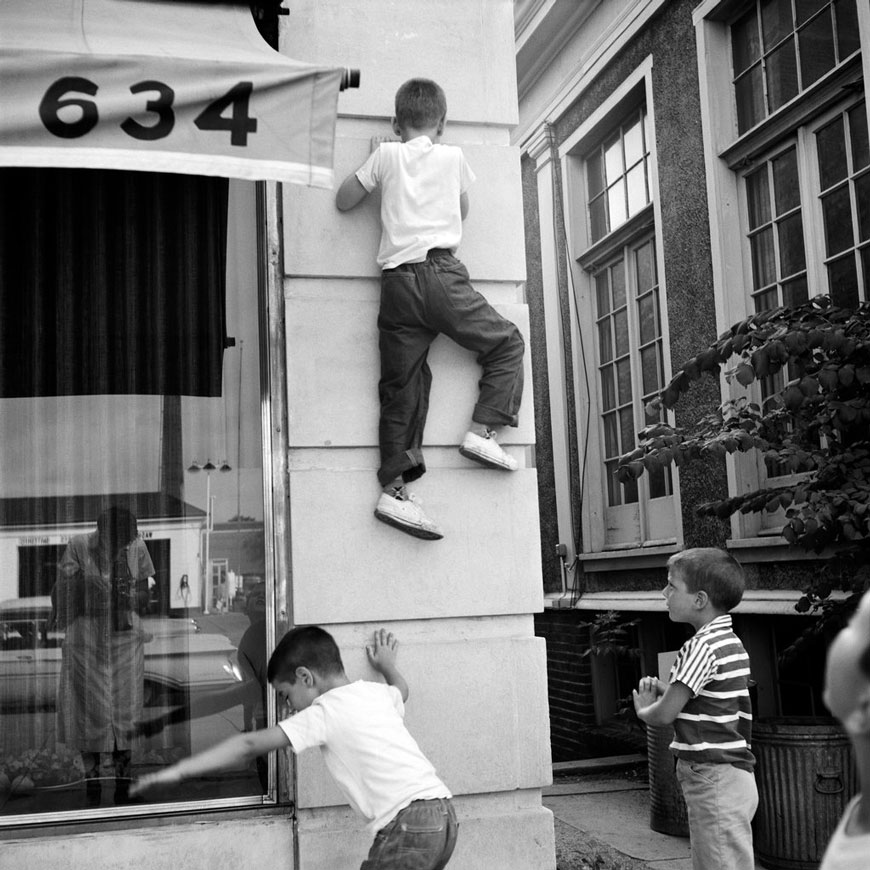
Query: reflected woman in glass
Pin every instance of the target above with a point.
(102, 587)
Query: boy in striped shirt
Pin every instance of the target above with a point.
(707, 700)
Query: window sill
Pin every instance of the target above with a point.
(142, 816)
(770, 549)
(654, 556)
(767, 602)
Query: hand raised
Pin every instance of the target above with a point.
(382, 651)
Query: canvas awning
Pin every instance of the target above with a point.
(160, 85)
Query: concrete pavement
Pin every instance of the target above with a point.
(602, 820)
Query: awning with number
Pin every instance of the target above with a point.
(173, 86)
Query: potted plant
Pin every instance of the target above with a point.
(814, 430)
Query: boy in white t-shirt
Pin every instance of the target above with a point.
(847, 696)
(367, 748)
(425, 291)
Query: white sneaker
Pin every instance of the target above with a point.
(485, 450)
(404, 511)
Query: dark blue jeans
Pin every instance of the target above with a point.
(421, 837)
(418, 302)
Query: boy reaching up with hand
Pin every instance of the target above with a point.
(707, 700)
(425, 291)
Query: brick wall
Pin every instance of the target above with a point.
(572, 714)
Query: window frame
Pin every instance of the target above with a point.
(729, 158)
(584, 259)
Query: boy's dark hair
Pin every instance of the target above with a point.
(420, 103)
(711, 570)
(307, 646)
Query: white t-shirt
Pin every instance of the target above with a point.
(845, 852)
(367, 749)
(420, 184)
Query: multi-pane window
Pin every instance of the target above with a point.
(614, 367)
(843, 158)
(622, 299)
(776, 233)
(630, 362)
(781, 47)
(787, 139)
(617, 174)
(782, 221)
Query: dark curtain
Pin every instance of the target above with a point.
(111, 283)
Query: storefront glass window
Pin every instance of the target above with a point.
(133, 593)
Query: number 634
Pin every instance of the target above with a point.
(215, 116)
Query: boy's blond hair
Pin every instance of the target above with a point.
(711, 570)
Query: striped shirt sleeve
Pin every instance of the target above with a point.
(695, 666)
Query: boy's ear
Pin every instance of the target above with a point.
(441, 124)
(701, 599)
(305, 676)
(396, 128)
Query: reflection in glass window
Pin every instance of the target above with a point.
(132, 590)
(617, 176)
(780, 48)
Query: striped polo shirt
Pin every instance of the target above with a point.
(715, 726)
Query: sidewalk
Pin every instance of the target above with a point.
(601, 817)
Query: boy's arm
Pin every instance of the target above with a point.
(656, 709)
(463, 205)
(350, 194)
(382, 655)
(232, 752)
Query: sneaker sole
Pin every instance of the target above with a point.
(415, 531)
(484, 460)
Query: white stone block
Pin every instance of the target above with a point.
(458, 689)
(496, 832)
(349, 567)
(320, 240)
(332, 372)
(467, 46)
(175, 842)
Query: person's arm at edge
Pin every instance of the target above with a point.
(351, 193)
(656, 709)
(233, 751)
(382, 655)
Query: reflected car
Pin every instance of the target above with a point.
(180, 660)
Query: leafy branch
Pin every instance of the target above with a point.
(813, 432)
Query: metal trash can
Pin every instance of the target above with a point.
(806, 775)
(667, 809)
